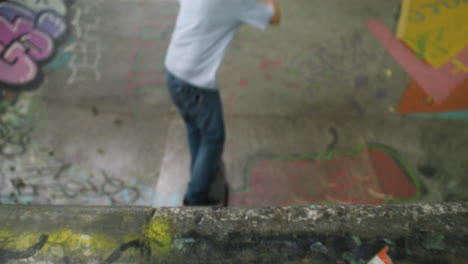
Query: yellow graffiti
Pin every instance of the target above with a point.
(78, 243)
(460, 67)
(159, 234)
(15, 242)
(63, 242)
(436, 30)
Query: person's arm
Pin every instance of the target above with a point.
(276, 19)
(257, 13)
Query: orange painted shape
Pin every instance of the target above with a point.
(382, 257)
(415, 100)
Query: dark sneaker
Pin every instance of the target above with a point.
(205, 202)
(226, 195)
(215, 191)
(221, 170)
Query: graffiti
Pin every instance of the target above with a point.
(6, 255)
(39, 178)
(61, 58)
(415, 101)
(144, 73)
(57, 242)
(347, 248)
(382, 257)
(27, 40)
(146, 37)
(157, 241)
(459, 67)
(13, 139)
(59, 6)
(365, 175)
(85, 52)
(7, 99)
(146, 70)
(426, 10)
(29, 35)
(16, 126)
(136, 244)
(266, 65)
(435, 30)
(416, 16)
(437, 83)
(431, 90)
(66, 245)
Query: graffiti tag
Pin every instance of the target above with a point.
(27, 39)
(367, 175)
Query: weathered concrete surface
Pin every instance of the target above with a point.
(415, 233)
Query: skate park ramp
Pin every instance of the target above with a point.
(336, 105)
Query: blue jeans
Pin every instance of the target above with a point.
(202, 112)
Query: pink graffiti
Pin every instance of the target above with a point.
(22, 45)
(266, 64)
(16, 67)
(437, 83)
(39, 44)
(26, 38)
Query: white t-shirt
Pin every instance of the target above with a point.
(203, 31)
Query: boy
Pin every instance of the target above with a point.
(203, 31)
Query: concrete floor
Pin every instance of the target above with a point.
(309, 108)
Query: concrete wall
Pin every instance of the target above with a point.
(415, 233)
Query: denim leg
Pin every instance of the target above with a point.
(194, 140)
(211, 124)
(183, 97)
(202, 112)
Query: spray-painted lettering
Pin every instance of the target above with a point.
(422, 12)
(85, 51)
(144, 73)
(27, 38)
(38, 5)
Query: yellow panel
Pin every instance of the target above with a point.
(436, 30)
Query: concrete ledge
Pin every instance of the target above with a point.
(415, 233)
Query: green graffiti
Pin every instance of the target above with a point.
(421, 53)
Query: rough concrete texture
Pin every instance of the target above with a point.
(66, 234)
(97, 127)
(414, 233)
